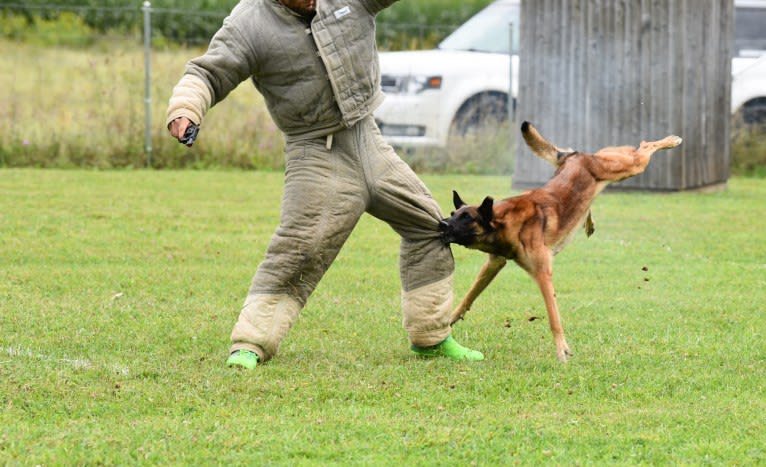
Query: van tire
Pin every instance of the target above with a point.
(479, 112)
(754, 111)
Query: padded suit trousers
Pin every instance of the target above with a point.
(329, 184)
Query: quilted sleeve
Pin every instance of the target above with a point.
(191, 99)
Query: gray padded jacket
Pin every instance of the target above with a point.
(315, 79)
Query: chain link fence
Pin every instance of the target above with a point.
(81, 24)
(83, 82)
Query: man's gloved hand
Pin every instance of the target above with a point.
(184, 130)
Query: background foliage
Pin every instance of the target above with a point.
(404, 25)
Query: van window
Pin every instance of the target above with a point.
(487, 31)
(749, 29)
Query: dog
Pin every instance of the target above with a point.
(532, 227)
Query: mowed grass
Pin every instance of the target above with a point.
(118, 291)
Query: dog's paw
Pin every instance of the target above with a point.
(564, 353)
(675, 140)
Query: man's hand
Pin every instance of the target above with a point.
(183, 130)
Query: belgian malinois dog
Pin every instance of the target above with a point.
(532, 227)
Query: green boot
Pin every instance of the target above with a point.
(242, 359)
(451, 349)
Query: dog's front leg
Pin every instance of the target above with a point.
(543, 275)
(488, 272)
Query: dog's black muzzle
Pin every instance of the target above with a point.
(446, 231)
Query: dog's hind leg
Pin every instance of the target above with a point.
(488, 272)
(618, 163)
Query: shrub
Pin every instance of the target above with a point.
(183, 21)
(412, 24)
(748, 148)
(489, 150)
(66, 29)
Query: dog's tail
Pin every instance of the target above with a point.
(542, 148)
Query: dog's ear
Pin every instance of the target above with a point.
(485, 210)
(456, 200)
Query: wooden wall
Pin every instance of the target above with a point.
(597, 73)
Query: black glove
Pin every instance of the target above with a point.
(190, 135)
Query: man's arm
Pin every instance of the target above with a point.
(191, 100)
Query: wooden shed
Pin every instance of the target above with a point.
(597, 73)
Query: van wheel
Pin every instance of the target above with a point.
(481, 112)
(479, 139)
(754, 111)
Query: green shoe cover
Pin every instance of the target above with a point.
(242, 359)
(451, 349)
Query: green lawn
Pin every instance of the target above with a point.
(118, 291)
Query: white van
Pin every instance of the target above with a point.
(453, 88)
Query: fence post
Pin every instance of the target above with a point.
(512, 146)
(511, 107)
(147, 8)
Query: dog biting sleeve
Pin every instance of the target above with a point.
(191, 99)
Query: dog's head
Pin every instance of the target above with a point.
(467, 224)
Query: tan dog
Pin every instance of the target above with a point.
(532, 227)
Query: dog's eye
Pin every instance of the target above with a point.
(452, 213)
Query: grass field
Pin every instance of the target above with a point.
(118, 291)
